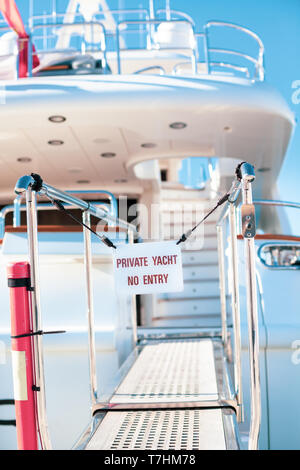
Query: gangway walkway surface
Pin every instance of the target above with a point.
(177, 395)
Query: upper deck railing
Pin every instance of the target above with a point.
(209, 52)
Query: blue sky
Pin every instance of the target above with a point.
(277, 22)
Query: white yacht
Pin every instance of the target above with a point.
(135, 124)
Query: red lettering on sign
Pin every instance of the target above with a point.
(164, 260)
(133, 280)
(132, 262)
(149, 279)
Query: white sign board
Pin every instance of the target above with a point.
(146, 268)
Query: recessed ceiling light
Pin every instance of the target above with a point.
(57, 119)
(24, 159)
(263, 170)
(148, 145)
(55, 142)
(178, 125)
(83, 182)
(108, 155)
(122, 180)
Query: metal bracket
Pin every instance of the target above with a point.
(205, 404)
(248, 221)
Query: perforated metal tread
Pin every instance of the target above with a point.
(210, 429)
(173, 371)
(175, 396)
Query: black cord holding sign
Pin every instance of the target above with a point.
(186, 235)
(229, 196)
(183, 238)
(62, 208)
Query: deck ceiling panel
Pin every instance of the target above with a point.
(224, 116)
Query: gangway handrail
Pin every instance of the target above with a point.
(16, 207)
(45, 189)
(31, 186)
(242, 184)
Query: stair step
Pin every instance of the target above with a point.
(194, 289)
(186, 205)
(182, 194)
(199, 257)
(200, 273)
(197, 241)
(202, 244)
(202, 321)
(176, 230)
(181, 217)
(183, 307)
(199, 303)
(187, 219)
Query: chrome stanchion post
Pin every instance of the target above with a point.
(17, 211)
(249, 230)
(36, 318)
(222, 284)
(133, 301)
(207, 49)
(90, 306)
(118, 49)
(235, 301)
(152, 27)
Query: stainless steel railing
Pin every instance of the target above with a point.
(229, 215)
(28, 185)
(252, 310)
(173, 14)
(267, 202)
(101, 47)
(146, 21)
(284, 254)
(17, 208)
(153, 22)
(258, 61)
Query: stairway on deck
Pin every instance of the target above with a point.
(199, 304)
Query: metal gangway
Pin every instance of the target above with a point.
(176, 391)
